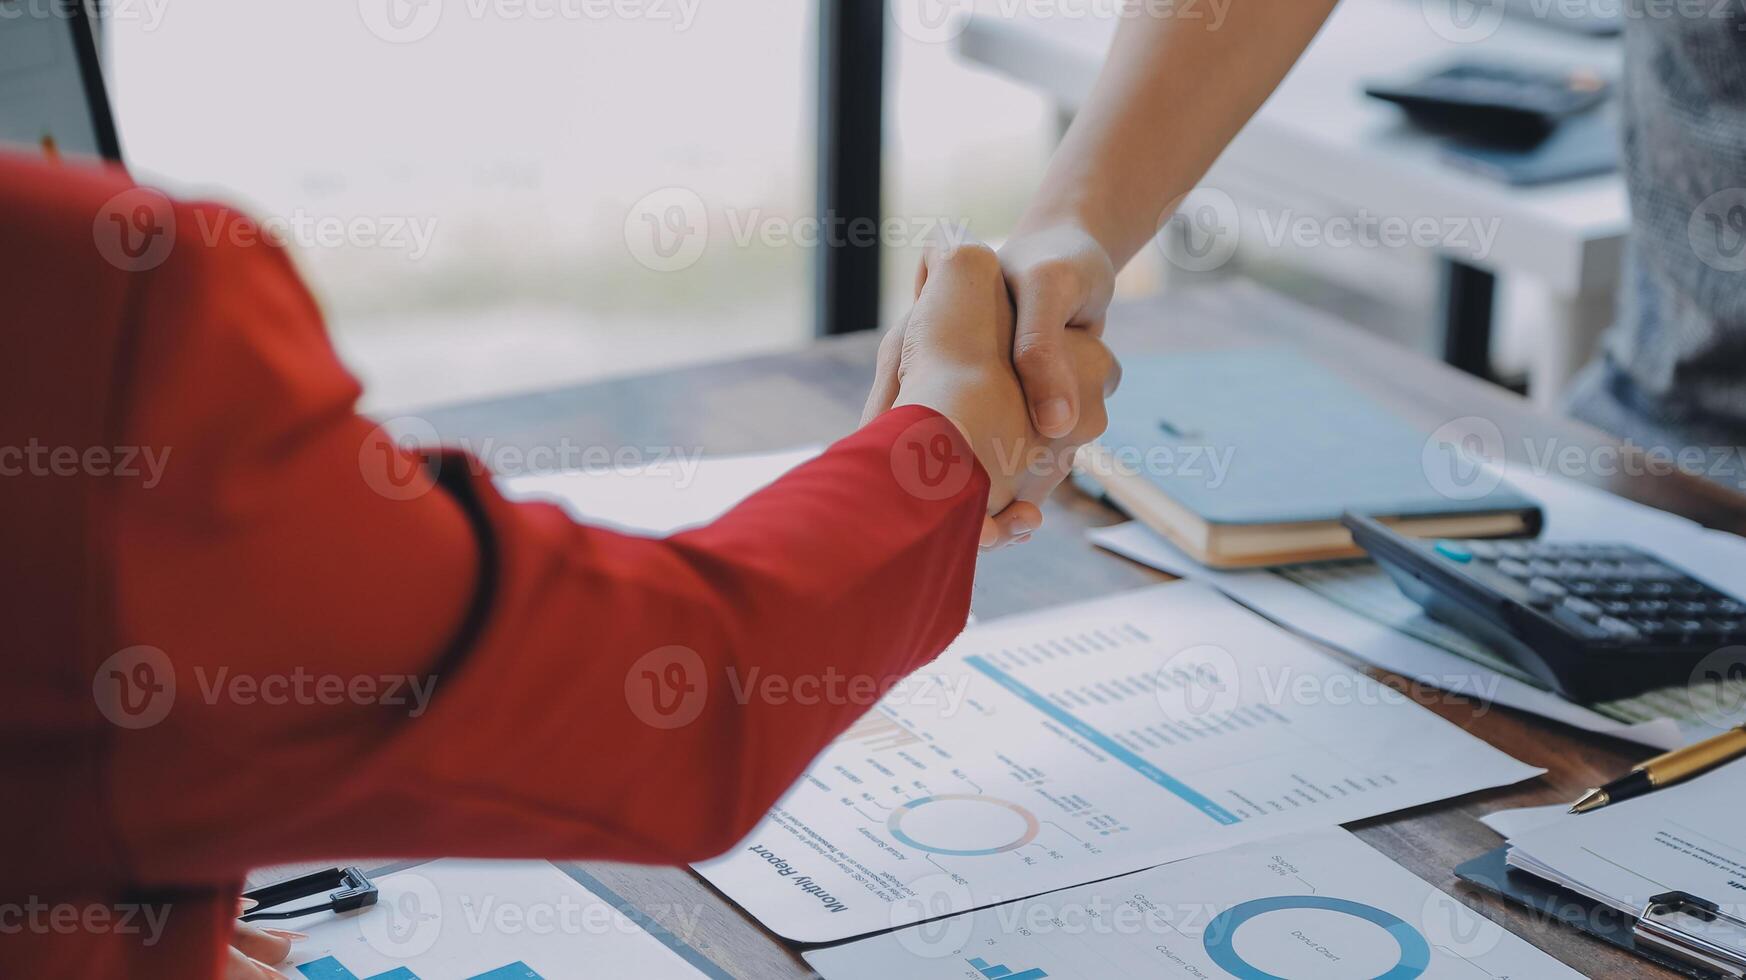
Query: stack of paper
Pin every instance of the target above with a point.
(1354, 607)
(1690, 837)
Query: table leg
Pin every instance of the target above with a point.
(851, 107)
(1468, 296)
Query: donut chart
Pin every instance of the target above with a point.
(1415, 952)
(923, 824)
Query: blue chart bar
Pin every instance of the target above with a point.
(326, 968)
(514, 971)
(1104, 742)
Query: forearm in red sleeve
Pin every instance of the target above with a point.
(648, 700)
(630, 698)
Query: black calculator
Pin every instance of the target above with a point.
(1593, 621)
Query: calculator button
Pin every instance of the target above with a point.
(1541, 568)
(1514, 568)
(1617, 628)
(1481, 549)
(1580, 625)
(1547, 588)
(1649, 607)
(1512, 549)
(1584, 608)
(1453, 551)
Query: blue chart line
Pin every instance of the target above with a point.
(329, 968)
(1104, 742)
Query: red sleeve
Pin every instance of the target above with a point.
(369, 660)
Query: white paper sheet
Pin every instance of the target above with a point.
(1319, 906)
(1517, 821)
(1087, 741)
(1574, 512)
(1690, 837)
(662, 497)
(482, 920)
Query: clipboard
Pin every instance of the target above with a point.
(1684, 933)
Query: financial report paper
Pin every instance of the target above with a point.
(1317, 906)
(487, 920)
(1087, 741)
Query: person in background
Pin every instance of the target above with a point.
(1174, 92)
(575, 681)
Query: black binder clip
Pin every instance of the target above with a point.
(350, 889)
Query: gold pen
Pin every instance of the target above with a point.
(1667, 769)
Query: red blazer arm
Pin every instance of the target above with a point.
(607, 696)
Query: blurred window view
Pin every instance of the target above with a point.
(467, 184)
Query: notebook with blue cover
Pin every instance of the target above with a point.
(1247, 457)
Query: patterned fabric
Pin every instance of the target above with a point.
(1674, 368)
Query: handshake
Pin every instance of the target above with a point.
(955, 354)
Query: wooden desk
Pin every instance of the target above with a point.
(816, 395)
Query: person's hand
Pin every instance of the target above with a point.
(254, 951)
(1061, 279)
(953, 354)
